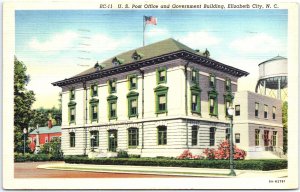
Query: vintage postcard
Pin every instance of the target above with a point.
(150, 95)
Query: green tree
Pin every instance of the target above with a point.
(23, 100)
(285, 126)
(53, 148)
(42, 115)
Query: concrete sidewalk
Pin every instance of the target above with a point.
(178, 171)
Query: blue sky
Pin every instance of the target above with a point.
(59, 44)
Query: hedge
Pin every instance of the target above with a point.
(263, 165)
(20, 157)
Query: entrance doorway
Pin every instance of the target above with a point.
(112, 140)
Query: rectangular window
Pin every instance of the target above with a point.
(213, 106)
(237, 138)
(94, 136)
(257, 137)
(212, 81)
(162, 102)
(72, 139)
(113, 109)
(161, 75)
(194, 135)
(227, 133)
(46, 139)
(228, 85)
(274, 112)
(72, 94)
(162, 135)
(256, 109)
(94, 90)
(72, 114)
(195, 76)
(132, 82)
(133, 107)
(212, 132)
(195, 107)
(133, 137)
(266, 111)
(237, 110)
(274, 138)
(112, 86)
(94, 110)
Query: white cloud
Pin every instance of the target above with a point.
(259, 43)
(99, 43)
(58, 42)
(155, 31)
(200, 40)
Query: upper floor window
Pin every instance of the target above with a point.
(194, 135)
(72, 94)
(112, 86)
(94, 111)
(161, 99)
(212, 81)
(112, 107)
(72, 139)
(94, 90)
(274, 112)
(237, 110)
(161, 75)
(213, 103)
(161, 135)
(133, 137)
(212, 133)
(266, 111)
(256, 109)
(132, 82)
(195, 76)
(228, 85)
(228, 102)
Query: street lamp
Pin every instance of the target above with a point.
(230, 113)
(24, 133)
(92, 138)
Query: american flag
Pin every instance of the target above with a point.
(150, 20)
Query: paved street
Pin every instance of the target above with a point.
(29, 170)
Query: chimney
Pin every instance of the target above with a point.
(50, 124)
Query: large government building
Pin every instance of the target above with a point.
(157, 100)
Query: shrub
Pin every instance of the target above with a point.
(122, 154)
(134, 156)
(19, 157)
(223, 152)
(53, 148)
(264, 165)
(188, 155)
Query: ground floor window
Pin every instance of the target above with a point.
(162, 135)
(212, 133)
(257, 137)
(194, 135)
(72, 139)
(94, 138)
(133, 137)
(227, 132)
(274, 139)
(112, 140)
(237, 138)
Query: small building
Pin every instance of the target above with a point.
(258, 125)
(43, 135)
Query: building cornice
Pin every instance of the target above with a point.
(182, 54)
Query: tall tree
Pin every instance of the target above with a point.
(285, 126)
(23, 100)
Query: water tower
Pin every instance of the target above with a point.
(273, 79)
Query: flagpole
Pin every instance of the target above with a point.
(144, 26)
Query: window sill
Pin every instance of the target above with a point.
(113, 118)
(131, 116)
(196, 112)
(161, 112)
